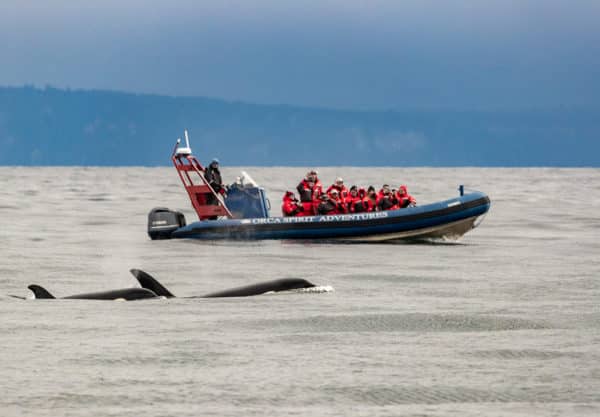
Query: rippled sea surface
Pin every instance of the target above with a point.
(504, 322)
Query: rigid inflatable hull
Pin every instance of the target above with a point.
(451, 218)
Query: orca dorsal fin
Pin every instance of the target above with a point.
(150, 283)
(40, 292)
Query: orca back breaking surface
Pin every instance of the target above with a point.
(128, 294)
(151, 288)
(283, 284)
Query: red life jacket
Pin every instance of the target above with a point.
(362, 205)
(308, 208)
(309, 192)
(342, 190)
(350, 199)
(290, 206)
(405, 199)
(340, 205)
(387, 203)
(326, 207)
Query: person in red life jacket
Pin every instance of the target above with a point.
(290, 206)
(309, 189)
(326, 205)
(362, 203)
(385, 189)
(339, 185)
(372, 196)
(404, 198)
(340, 204)
(386, 200)
(351, 197)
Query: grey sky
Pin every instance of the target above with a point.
(346, 54)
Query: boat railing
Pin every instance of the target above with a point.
(207, 203)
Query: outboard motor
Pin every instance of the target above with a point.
(162, 222)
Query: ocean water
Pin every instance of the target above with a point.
(505, 322)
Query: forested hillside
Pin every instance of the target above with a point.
(69, 127)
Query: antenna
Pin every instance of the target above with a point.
(187, 139)
(186, 150)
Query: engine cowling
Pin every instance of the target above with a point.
(162, 222)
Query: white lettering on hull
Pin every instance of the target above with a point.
(312, 219)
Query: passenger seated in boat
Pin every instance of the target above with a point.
(362, 204)
(385, 189)
(386, 200)
(340, 204)
(325, 206)
(339, 185)
(351, 197)
(309, 190)
(405, 199)
(290, 206)
(372, 196)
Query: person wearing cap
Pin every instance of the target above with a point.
(339, 185)
(214, 179)
(309, 190)
(290, 206)
(213, 176)
(405, 199)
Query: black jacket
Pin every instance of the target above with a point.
(325, 207)
(213, 177)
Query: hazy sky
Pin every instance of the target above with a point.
(345, 54)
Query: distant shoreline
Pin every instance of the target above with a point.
(57, 127)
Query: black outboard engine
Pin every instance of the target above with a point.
(162, 222)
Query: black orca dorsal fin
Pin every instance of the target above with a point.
(150, 283)
(40, 292)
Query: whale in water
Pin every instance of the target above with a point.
(151, 288)
(128, 294)
(284, 284)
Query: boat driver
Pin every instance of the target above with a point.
(213, 176)
(214, 179)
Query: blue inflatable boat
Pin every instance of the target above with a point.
(243, 215)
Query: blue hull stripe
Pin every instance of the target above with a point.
(341, 226)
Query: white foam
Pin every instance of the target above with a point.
(318, 289)
(312, 290)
